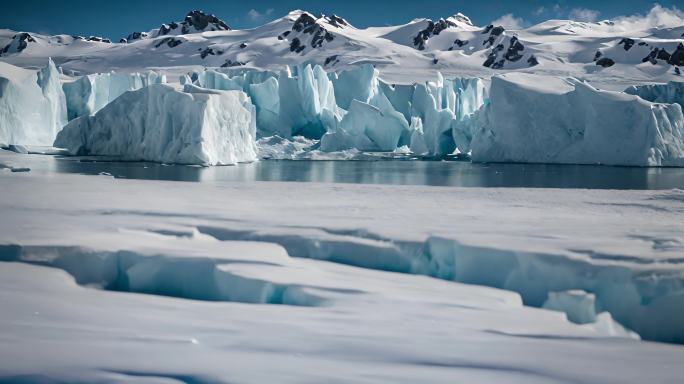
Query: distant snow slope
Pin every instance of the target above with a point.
(604, 52)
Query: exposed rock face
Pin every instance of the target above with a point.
(433, 28)
(494, 33)
(677, 57)
(194, 22)
(19, 43)
(170, 41)
(628, 43)
(99, 39)
(200, 22)
(512, 54)
(308, 28)
(605, 62)
(231, 63)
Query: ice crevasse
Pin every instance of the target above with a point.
(162, 124)
(32, 105)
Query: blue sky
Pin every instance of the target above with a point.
(116, 19)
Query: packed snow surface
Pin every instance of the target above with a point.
(328, 257)
(159, 123)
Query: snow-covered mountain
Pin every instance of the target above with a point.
(452, 45)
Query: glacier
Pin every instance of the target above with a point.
(88, 94)
(543, 119)
(501, 120)
(672, 92)
(159, 123)
(32, 105)
(354, 109)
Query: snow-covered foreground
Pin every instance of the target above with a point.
(296, 282)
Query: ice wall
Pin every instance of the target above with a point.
(32, 105)
(542, 119)
(88, 94)
(158, 123)
(672, 92)
(355, 108)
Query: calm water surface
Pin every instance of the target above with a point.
(401, 172)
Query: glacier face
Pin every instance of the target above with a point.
(355, 109)
(88, 94)
(672, 92)
(158, 123)
(32, 105)
(542, 119)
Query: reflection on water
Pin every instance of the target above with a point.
(403, 172)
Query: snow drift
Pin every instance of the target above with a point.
(158, 123)
(32, 105)
(541, 119)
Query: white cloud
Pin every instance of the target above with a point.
(583, 14)
(255, 15)
(658, 16)
(539, 11)
(509, 21)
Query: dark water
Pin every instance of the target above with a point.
(402, 172)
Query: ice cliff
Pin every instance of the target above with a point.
(32, 105)
(355, 108)
(159, 123)
(672, 92)
(90, 93)
(542, 119)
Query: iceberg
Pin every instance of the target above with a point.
(366, 128)
(543, 119)
(307, 102)
(161, 124)
(90, 93)
(32, 105)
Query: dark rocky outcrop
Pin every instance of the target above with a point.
(304, 20)
(513, 52)
(209, 51)
(19, 41)
(231, 63)
(170, 41)
(677, 57)
(433, 28)
(336, 21)
(460, 42)
(331, 60)
(195, 21)
(532, 61)
(605, 62)
(628, 43)
(296, 46)
(200, 22)
(98, 39)
(494, 33)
